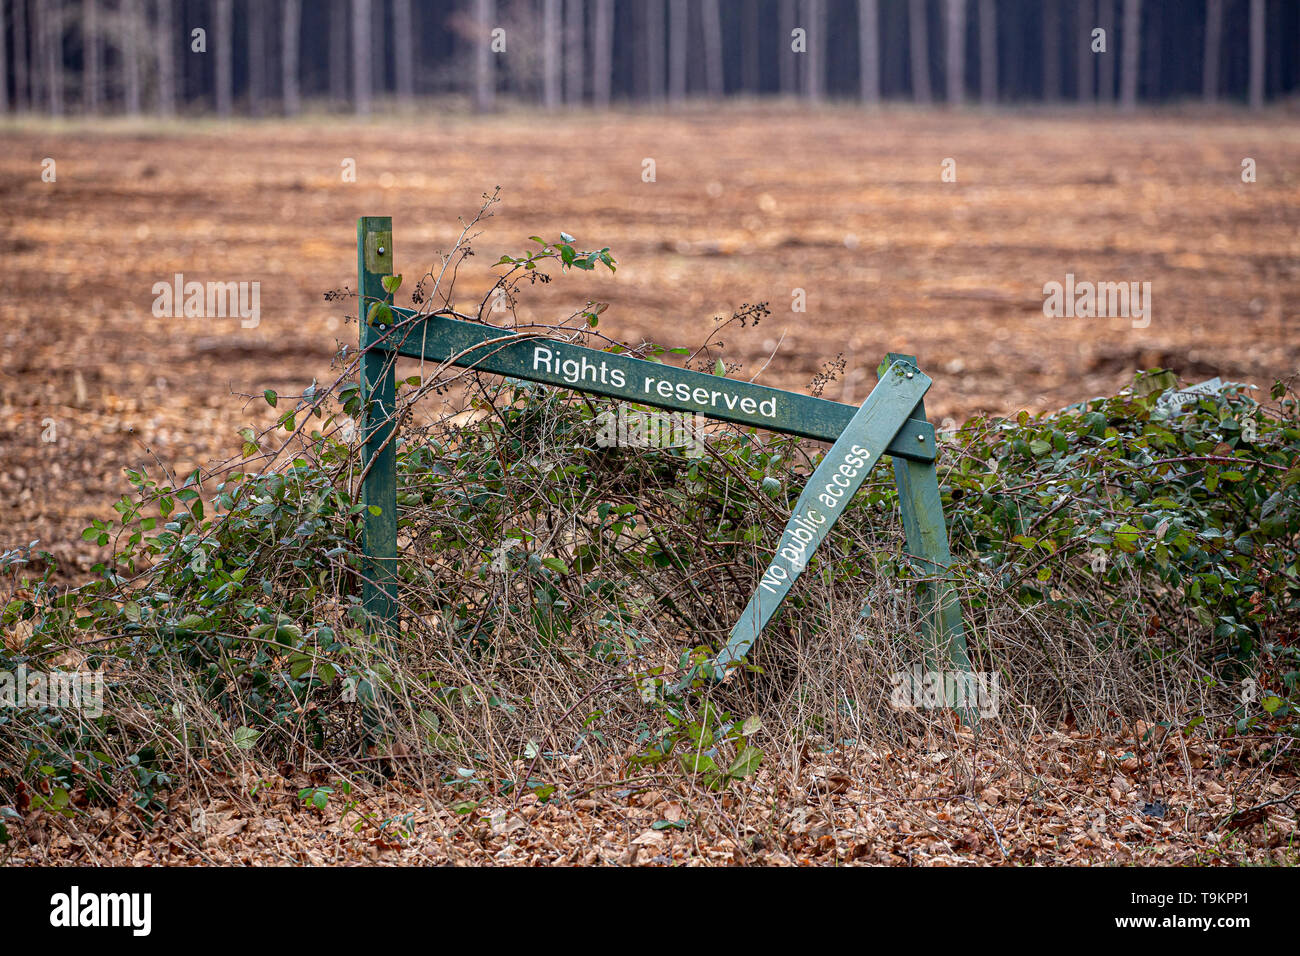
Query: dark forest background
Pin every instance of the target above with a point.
(272, 56)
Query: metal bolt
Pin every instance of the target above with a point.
(909, 374)
(920, 438)
(381, 250)
(381, 327)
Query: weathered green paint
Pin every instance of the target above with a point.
(444, 340)
(927, 543)
(378, 428)
(891, 421)
(826, 496)
(379, 250)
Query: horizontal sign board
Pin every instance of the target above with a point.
(535, 359)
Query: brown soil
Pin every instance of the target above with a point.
(748, 204)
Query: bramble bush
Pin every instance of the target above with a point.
(556, 593)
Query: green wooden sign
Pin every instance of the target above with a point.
(890, 422)
(520, 355)
(868, 435)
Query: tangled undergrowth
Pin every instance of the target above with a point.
(1127, 566)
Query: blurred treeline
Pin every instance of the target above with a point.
(271, 56)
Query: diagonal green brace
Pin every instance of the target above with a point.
(826, 496)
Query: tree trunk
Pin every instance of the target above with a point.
(22, 76)
(132, 51)
(677, 14)
(575, 29)
(1213, 44)
(1106, 61)
(602, 52)
(919, 45)
(749, 32)
(787, 60)
(37, 16)
(1051, 50)
(1085, 64)
(955, 38)
(256, 57)
(378, 50)
(92, 62)
(361, 51)
(711, 14)
(1128, 77)
(484, 74)
(338, 50)
(403, 53)
(4, 58)
(165, 40)
(988, 53)
(814, 21)
(222, 39)
(1153, 34)
(551, 80)
(290, 38)
(654, 46)
(1256, 54)
(869, 50)
(54, 59)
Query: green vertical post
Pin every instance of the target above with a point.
(378, 428)
(927, 541)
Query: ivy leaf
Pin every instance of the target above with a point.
(746, 762)
(379, 313)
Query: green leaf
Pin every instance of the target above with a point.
(379, 313)
(1126, 537)
(746, 762)
(1154, 383)
(271, 397)
(246, 738)
(391, 283)
(696, 762)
